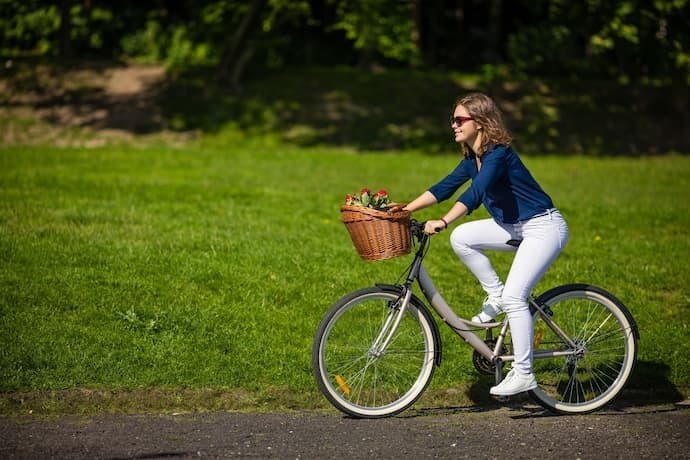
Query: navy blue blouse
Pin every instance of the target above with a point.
(503, 184)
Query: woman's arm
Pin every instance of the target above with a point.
(456, 212)
(424, 200)
(427, 199)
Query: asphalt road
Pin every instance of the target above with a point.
(521, 431)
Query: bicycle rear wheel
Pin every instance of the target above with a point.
(599, 358)
(354, 373)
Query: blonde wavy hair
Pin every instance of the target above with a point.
(486, 113)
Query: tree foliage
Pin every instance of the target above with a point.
(379, 27)
(631, 40)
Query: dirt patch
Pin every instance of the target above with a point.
(129, 81)
(87, 106)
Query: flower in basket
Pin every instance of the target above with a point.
(352, 200)
(380, 199)
(365, 199)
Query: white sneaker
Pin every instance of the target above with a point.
(514, 383)
(491, 308)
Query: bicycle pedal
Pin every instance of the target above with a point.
(502, 399)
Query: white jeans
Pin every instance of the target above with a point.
(543, 238)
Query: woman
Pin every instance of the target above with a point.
(520, 211)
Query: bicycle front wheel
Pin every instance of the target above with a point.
(585, 351)
(355, 369)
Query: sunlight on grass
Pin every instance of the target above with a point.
(211, 267)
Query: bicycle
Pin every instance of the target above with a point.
(376, 349)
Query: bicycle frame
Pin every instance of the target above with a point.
(376, 350)
(461, 326)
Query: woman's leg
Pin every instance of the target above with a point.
(469, 241)
(543, 240)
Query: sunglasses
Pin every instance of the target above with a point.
(459, 120)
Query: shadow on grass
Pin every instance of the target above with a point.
(397, 109)
(650, 384)
(387, 110)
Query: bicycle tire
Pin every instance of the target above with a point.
(349, 371)
(605, 335)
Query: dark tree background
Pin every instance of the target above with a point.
(634, 39)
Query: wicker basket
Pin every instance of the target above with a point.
(377, 235)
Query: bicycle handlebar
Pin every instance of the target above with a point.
(417, 229)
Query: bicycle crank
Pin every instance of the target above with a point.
(482, 364)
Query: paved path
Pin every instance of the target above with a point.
(461, 432)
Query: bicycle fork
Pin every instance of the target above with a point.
(390, 326)
(398, 309)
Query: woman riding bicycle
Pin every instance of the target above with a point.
(520, 211)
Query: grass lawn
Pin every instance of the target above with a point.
(205, 270)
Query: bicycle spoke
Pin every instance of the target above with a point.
(353, 370)
(603, 350)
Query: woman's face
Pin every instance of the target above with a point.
(464, 127)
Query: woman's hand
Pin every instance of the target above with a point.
(397, 207)
(433, 227)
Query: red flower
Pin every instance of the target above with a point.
(364, 198)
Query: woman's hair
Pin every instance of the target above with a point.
(485, 112)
